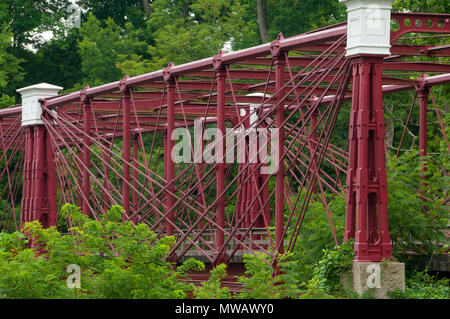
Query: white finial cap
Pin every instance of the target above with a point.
(368, 26)
(31, 107)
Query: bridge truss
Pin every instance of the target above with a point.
(112, 144)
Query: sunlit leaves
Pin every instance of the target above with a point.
(117, 260)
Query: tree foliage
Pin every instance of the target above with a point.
(117, 260)
(262, 281)
(187, 30)
(10, 69)
(292, 17)
(212, 289)
(99, 58)
(121, 11)
(421, 285)
(417, 211)
(28, 17)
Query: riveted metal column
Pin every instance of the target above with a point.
(135, 176)
(279, 64)
(368, 42)
(350, 215)
(314, 142)
(86, 104)
(43, 179)
(368, 180)
(220, 164)
(362, 133)
(422, 93)
(126, 149)
(381, 243)
(27, 169)
(50, 192)
(169, 172)
(80, 176)
(37, 172)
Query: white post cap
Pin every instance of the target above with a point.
(253, 116)
(31, 107)
(368, 26)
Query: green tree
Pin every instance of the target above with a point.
(10, 70)
(417, 211)
(434, 6)
(121, 11)
(56, 61)
(28, 17)
(292, 17)
(187, 30)
(105, 48)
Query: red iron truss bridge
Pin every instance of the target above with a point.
(112, 144)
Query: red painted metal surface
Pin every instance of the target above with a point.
(279, 65)
(39, 199)
(169, 166)
(419, 22)
(113, 144)
(422, 93)
(86, 105)
(366, 177)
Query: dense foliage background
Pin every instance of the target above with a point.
(132, 37)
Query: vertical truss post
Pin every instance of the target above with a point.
(26, 192)
(314, 146)
(50, 177)
(350, 196)
(37, 174)
(369, 179)
(86, 105)
(135, 175)
(279, 61)
(169, 166)
(126, 148)
(198, 159)
(80, 176)
(422, 93)
(220, 151)
(39, 184)
(368, 41)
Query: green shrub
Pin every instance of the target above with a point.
(316, 235)
(416, 225)
(261, 282)
(117, 260)
(212, 289)
(330, 269)
(421, 285)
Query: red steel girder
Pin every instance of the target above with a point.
(227, 58)
(296, 61)
(420, 22)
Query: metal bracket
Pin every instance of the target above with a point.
(167, 72)
(275, 46)
(217, 60)
(123, 84)
(83, 94)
